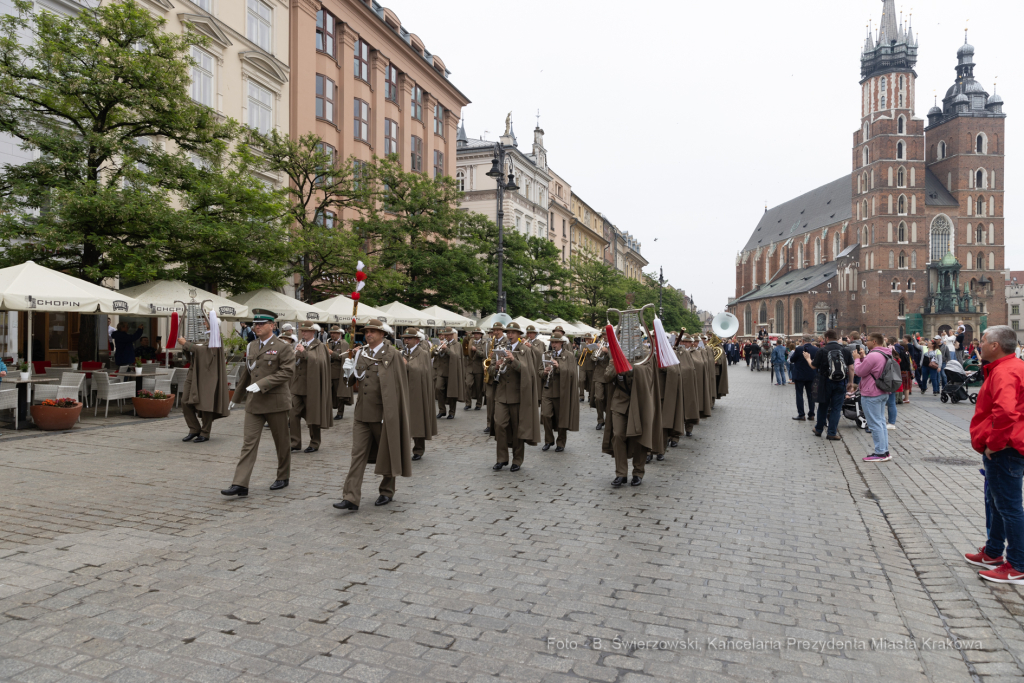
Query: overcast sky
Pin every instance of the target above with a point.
(679, 120)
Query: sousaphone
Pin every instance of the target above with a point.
(723, 326)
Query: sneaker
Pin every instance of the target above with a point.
(874, 457)
(888, 426)
(980, 559)
(1004, 573)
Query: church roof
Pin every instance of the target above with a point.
(828, 204)
(935, 193)
(793, 282)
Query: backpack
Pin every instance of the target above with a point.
(835, 366)
(889, 379)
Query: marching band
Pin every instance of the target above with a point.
(648, 390)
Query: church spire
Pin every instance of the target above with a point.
(888, 30)
(894, 50)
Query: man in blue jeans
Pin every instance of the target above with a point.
(831, 387)
(997, 431)
(779, 363)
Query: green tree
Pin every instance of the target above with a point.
(103, 101)
(596, 286)
(326, 195)
(424, 248)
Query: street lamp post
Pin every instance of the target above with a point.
(501, 157)
(661, 283)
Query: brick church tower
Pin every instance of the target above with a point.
(888, 182)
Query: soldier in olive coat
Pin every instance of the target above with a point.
(264, 387)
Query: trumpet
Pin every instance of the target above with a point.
(492, 359)
(443, 346)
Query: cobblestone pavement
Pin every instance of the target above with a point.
(754, 552)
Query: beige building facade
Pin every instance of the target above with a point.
(560, 215)
(587, 230)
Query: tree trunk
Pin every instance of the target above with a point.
(87, 346)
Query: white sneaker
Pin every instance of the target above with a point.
(889, 426)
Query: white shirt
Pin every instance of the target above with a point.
(373, 354)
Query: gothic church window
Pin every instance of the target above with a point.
(895, 285)
(780, 316)
(866, 157)
(798, 317)
(980, 144)
(762, 315)
(979, 179)
(899, 124)
(939, 238)
(942, 150)
(913, 264)
(899, 150)
(882, 90)
(910, 281)
(836, 246)
(903, 307)
(901, 206)
(981, 234)
(981, 260)
(902, 263)
(901, 233)
(980, 206)
(901, 177)
(746, 321)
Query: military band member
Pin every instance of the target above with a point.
(263, 383)
(475, 369)
(634, 424)
(205, 395)
(497, 332)
(516, 421)
(560, 411)
(381, 425)
(688, 380)
(538, 353)
(449, 374)
(311, 389)
(600, 383)
(672, 405)
(587, 369)
(340, 389)
(422, 421)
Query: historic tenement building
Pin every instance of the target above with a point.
(911, 240)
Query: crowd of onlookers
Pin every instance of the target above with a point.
(869, 375)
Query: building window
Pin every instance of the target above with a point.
(438, 163)
(417, 154)
(325, 90)
(913, 261)
(417, 103)
(867, 156)
(361, 127)
(361, 60)
(901, 206)
(899, 125)
(324, 179)
(390, 137)
(563, 227)
(438, 120)
(836, 247)
(910, 285)
(746, 321)
(903, 307)
(901, 178)
(762, 315)
(1015, 309)
(1015, 324)
(940, 238)
(460, 181)
(204, 4)
(942, 150)
(357, 173)
(258, 22)
(981, 234)
(903, 260)
(899, 150)
(892, 258)
(325, 32)
(202, 77)
(260, 108)
(326, 219)
(980, 144)
(979, 179)
(391, 83)
(981, 261)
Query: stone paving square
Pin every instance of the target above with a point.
(754, 552)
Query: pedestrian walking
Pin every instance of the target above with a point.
(907, 366)
(790, 348)
(997, 431)
(804, 376)
(779, 363)
(835, 370)
(870, 367)
(894, 396)
(931, 362)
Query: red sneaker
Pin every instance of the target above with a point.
(980, 559)
(1003, 574)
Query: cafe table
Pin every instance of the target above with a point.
(23, 412)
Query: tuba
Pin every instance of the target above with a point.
(631, 331)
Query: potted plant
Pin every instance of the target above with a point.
(153, 403)
(56, 414)
(23, 369)
(74, 362)
(138, 365)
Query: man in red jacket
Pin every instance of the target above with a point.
(997, 430)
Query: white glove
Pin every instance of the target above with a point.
(348, 367)
(253, 387)
(231, 405)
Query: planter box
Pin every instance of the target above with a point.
(52, 418)
(153, 407)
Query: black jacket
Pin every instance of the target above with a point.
(802, 372)
(821, 359)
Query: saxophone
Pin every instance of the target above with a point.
(492, 358)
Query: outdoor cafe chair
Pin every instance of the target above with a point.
(110, 391)
(72, 385)
(9, 401)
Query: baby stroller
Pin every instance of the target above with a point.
(957, 379)
(852, 410)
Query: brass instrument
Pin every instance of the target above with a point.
(194, 328)
(467, 342)
(443, 346)
(722, 325)
(492, 358)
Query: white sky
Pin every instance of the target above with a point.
(678, 120)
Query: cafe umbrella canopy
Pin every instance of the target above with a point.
(339, 310)
(164, 297)
(31, 287)
(286, 307)
(400, 314)
(442, 317)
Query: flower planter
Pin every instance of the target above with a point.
(74, 366)
(138, 371)
(52, 418)
(25, 376)
(153, 407)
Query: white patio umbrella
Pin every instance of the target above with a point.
(286, 307)
(340, 307)
(583, 327)
(569, 328)
(400, 314)
(442, 317)
(34, 288)
(160, 297)
(524, 322)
